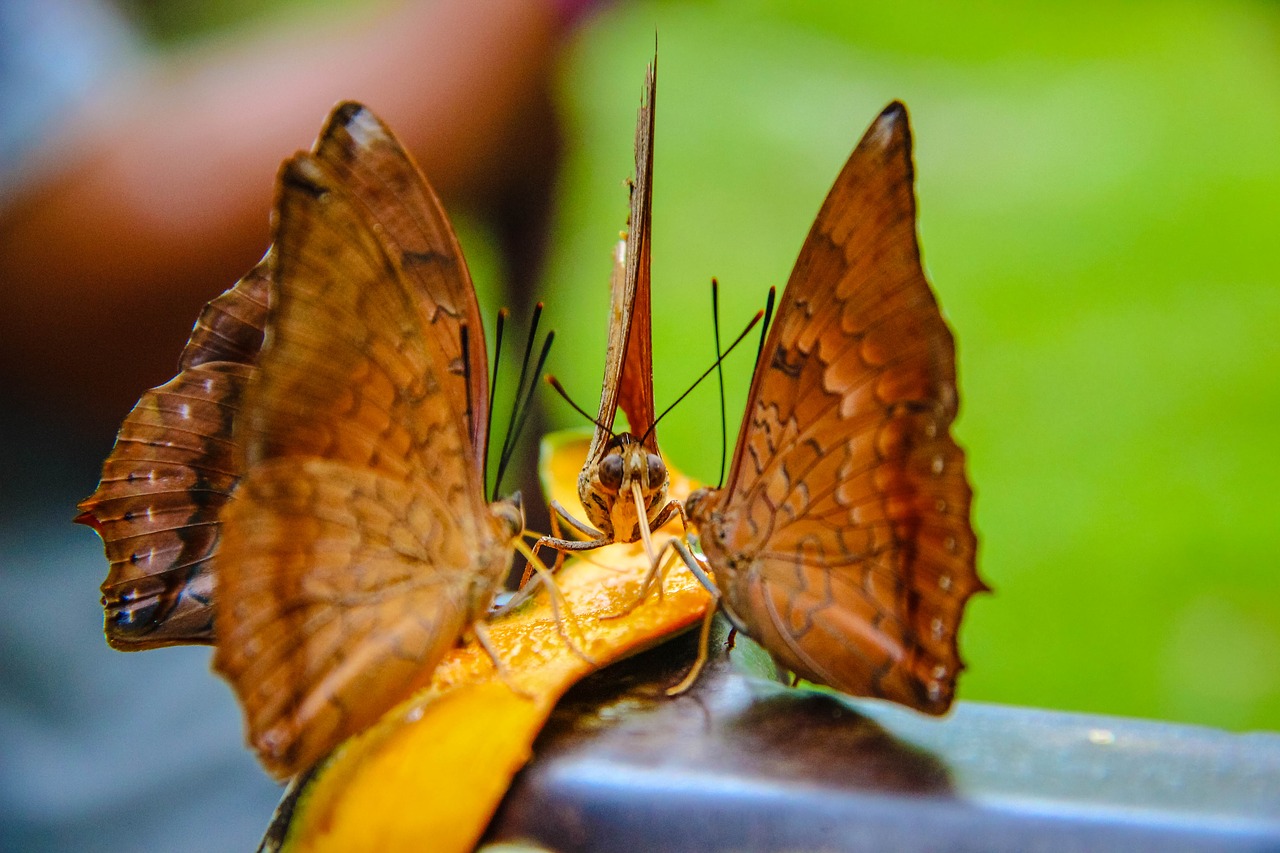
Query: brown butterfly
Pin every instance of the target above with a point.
(359, 545)
(175, 462)
(173, 467)
(624, 471)
(841, 541)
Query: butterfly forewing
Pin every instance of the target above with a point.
(173, 467)
(628, 369)
(842, 539)
(412, 224)
(359, 545)
(632, 309)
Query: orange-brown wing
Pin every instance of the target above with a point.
(171, 470)
(842, 541)
(635, 386)
(380, 175)
(628, 370)
(359, 544)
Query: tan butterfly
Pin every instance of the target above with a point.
(359, 545)
(343, 517)
(623, 484)
(175, 462)
(841, 540)
(173, 467)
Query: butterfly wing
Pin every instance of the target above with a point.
(230, 327)
(359, 545)
(635, 385)
(628, 371)
(379, 173)
(842, 540)
(172, 468)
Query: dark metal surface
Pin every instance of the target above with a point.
(744, 763)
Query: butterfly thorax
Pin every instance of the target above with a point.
(605, 487)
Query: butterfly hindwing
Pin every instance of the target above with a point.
(230, 327)
(173, 467)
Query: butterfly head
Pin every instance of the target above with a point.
(508, 515)
(606, 487)
(698, 506)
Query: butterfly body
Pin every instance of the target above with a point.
(624, 476)
(841, 540)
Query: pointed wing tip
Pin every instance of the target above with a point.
(888, 140)
(892, 125)
(356, 120)
(346, 111)
(896, 111)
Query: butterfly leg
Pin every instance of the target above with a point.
(557, 509)
(656, 570)
(557, 600)
(481, 631)
(704, 636)
(595, 539)
(673, 507)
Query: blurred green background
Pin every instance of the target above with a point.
(1099, 194)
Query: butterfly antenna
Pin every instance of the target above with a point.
(524, 373)
(705, 374)
(724, 421)
(508, 445)
(520, 412)
(528, 404)
(768, 316)
(493, 380)
(555, 383)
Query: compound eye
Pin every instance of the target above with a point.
(657, 471)
(611, 472)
